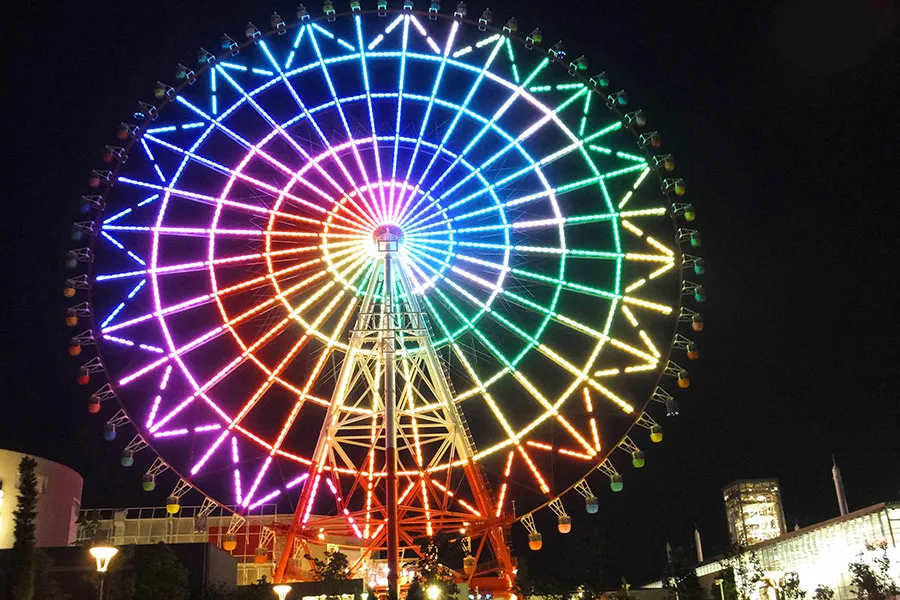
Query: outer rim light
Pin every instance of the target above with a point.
(103, 554)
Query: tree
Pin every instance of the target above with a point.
(430, 572)
(159, 575)
(790, 587)
(747, 575)
(45, 586)
(725, 578)
(22, 557)
(543, 584)
(873, 581)
(261, 590)
(415, 591)
(624, 592)
(823, 592)
(335, 567)
(680, 577)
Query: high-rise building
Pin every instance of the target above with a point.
(753, 509)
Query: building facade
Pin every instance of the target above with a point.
(754, 512)
(819, 554)
(255, 548)
(59, 500)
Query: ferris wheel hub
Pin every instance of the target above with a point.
(388, 237)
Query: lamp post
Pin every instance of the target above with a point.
(103, 554)
(281, 591)
(433, 592)
(720, 583)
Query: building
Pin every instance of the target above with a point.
(818, 554)
(72, 566)
(754, 512)
(254, 547)
(59, 500)
(207, 524)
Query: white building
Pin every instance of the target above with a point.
(255, 546)
(59, 500)
(820, 553)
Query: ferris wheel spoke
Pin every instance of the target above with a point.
(522, 301)
(365, 76)
(401, 204)
(390, 210)
(237, 173)
(470, 371)
(257, 150)
(550, 116)
(482, 389)
(266, 337)
(531, 342)
(230, 260)
(516, 93)
(522, 273)
(272, 376)
(203, 299)
(359, 162)
(295, 410)
(535, 166)
(452, 127)
(260, 234)
(268, 189)
(215, 332)
(370, 212)
(282, 133)
(528, 198)
(353, 260)
(522, 249)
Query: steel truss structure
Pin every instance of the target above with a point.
(392, 387)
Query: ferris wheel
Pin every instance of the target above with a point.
(387, 266)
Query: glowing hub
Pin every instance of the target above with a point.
(388, 237)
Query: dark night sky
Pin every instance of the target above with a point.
(783, 117)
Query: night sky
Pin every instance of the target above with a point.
(783, 117)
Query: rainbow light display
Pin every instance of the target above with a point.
(240, 247)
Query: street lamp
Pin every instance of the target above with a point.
(103, 554)
(720, 583)
(434, 592)
(282, 591)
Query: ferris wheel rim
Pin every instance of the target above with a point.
(428, 15)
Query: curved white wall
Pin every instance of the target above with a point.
(59, 501)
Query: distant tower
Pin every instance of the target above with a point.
(839, 486)
(698, 544)
(754, 512)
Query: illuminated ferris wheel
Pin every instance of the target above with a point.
(387, 266)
